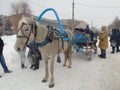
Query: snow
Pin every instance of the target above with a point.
(98, 74)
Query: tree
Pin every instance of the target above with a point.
(1, 23)
(24, 7)
(21, 7)
(1, 26)
(15, 8)
(116, 23)
(18, 9)
(8, 25)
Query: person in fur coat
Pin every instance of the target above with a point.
(103, 41)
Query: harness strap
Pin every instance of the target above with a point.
(43, 43)
(34, 28)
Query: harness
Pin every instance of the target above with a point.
(53, 34)
(49, 38)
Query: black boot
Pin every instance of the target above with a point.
(103, 56)
(32, 66)
(23, 66)
(36, 67)
(99, 55)
(112, 52)
(36, 64)
(8, 71)
(117, 51)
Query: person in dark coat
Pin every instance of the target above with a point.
(117, 40)
(92, 35)
(87, 29)
(88, 32)
(34, 55)
(2, 59)
(113, 39)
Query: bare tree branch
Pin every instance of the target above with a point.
(21, 7)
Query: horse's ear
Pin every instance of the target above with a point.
(32, 18)
(23, 16)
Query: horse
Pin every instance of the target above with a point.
(29, 30)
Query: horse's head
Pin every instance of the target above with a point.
(25, 33)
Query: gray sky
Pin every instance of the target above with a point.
(94, 12)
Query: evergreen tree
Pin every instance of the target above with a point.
(1, 21)
(1, 24)
(8, 25)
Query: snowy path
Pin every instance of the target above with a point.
(98, 74)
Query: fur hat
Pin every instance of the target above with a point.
(104, 28)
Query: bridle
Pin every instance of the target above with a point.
(23, 35)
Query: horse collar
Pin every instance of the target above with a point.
(49, 36)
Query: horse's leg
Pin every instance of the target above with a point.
(45, 79)
(52, 72)
(69, 61)
(95, 50)
(45, 57)
(22, 59)
(65, 58)
(69, 56)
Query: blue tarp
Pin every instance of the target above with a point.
(81, 38)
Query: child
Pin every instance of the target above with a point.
(34, 55)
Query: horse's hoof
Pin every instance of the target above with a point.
(44, 81)
(25, 67)
(64, 65)
(69, 67)
(51, 86)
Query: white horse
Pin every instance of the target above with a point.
(29, 30)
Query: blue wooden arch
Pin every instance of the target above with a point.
(59, 22)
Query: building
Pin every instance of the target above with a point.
(15, 19)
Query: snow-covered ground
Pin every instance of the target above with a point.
(98, 74)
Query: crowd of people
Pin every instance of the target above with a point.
(103, 39)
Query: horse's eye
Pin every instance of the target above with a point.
(26, 30)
